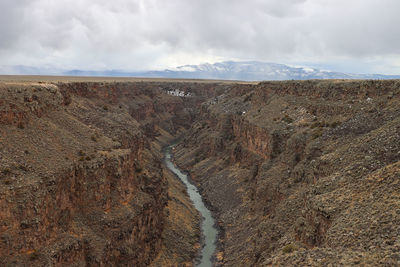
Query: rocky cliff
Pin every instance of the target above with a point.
(81, 172)
(296, 173)
(301, 172)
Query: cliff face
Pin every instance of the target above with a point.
(81, 182)
(296, 172)
(301, 172)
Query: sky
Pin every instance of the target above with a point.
(357, 36)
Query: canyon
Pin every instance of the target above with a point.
(295, 172)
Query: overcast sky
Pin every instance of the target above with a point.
(359, 36)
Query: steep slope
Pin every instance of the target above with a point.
(81, 173)
(301, 172)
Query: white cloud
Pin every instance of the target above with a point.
(352, 35)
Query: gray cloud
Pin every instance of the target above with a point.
(352, 35)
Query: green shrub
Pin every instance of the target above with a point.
(314, 125)
(34, 256)
(319, 124)
(335, 124)
(317, 133)
(287, 119)
(20, 125)
(23, 168)
(6, 171)
(324, 124)
(247, 98)
(297, 158)
(289, 248)
(93, 138)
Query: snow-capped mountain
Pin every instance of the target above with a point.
(227, 70)
(256, 71)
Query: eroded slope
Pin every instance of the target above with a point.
(81, 173)
(301, 172)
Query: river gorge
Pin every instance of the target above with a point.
(295, 172)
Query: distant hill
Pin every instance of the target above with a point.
(227, 70)
(254, 71)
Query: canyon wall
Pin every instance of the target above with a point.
(81, 171)
(301, 173)
(296, 173)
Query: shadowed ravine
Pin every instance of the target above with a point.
(207, 224)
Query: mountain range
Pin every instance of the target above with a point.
(227, 70)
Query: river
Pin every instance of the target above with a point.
(207, 225)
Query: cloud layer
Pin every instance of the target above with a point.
(342, 35)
